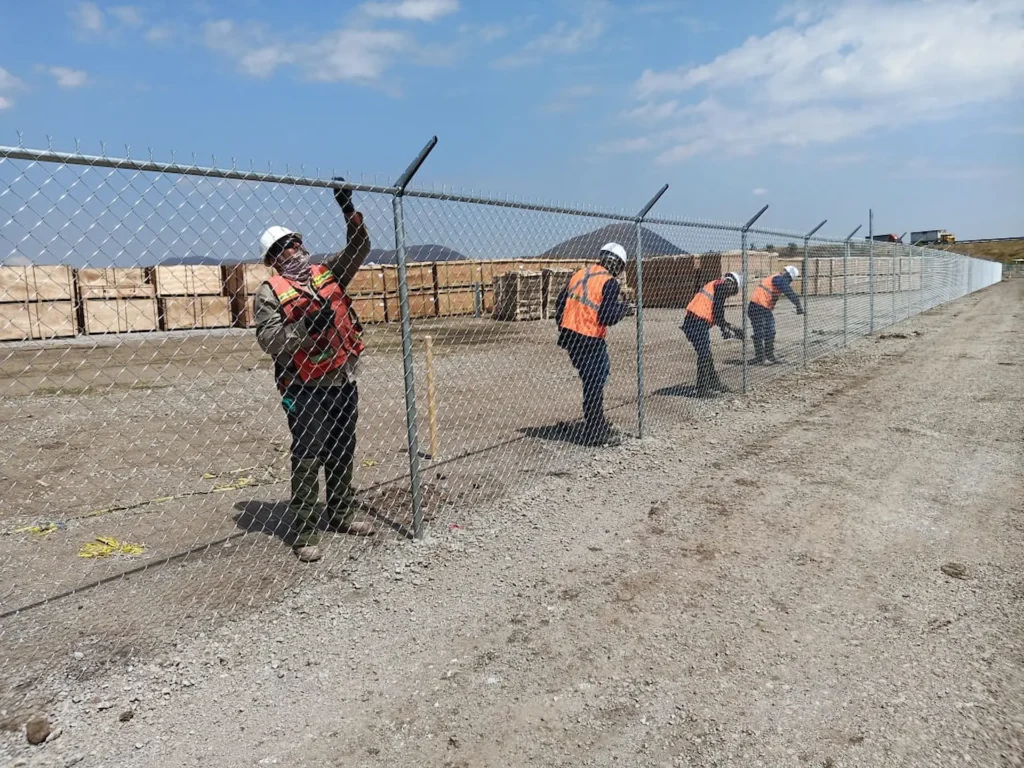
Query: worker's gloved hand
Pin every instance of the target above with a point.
(630, 310)
(737, 332)
(320, 320)
(799, 310)
(726, 333)
(344, 198)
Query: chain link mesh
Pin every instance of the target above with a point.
(145, 448)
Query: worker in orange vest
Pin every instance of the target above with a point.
(584, 310)
(761, 311)
(707, 309)
(305, 322)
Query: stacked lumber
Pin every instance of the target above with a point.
(554, 282)
(37, 302)
(191, 296)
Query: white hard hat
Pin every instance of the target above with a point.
(270, 236)
(736, 277)
(615, 250)
(793, 271)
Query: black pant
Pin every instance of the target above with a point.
(322, 421)
(589, 356)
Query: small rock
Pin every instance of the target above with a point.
(78, 655)
(127, 715)
(37, 729)
(55, 734)
(104, 705)
(954, 570)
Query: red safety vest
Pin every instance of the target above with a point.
(342, 341)
(766, 294)
(703, 300)
(586, 290)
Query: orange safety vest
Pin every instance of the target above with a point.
(342, 341)
(766, 294)
(701, 303)
(586, 289)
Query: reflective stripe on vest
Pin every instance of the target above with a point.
(702, 303)
(766, 294)
(585, 291)
(340, 342)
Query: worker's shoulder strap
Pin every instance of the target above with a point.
(710, 294)
(578, 290)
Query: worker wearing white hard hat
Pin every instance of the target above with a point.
(306, 323)
(584, 311)
(761, 311)
(706, 310)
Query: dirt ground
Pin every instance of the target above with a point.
(824, 572)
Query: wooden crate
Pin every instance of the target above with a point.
(456, 302)
(422, 304)
(457, 274)
(37, 320)
(367, 280)
(36, 283)
(189, 280)
(120, 315)
(186, 312)
(519, 296)
(555, 280)
(419, 277)
(369, 309)
(114, 283)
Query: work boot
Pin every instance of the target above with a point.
(341, 500)
(769, 350)
(601, 434)
(305, 493)
(716, 383)
(758, 352)
(704, 386)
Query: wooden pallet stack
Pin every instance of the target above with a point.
(519, 295)
(554, 282)
(457, 286)
(191, 297)
(117, 300)
(37, 302)
(422, 292)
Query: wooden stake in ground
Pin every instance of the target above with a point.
(431, 398)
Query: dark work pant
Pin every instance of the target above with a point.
(698, 333)
(589, 357)
(322, 421)
(762, 320)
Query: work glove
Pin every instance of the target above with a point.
(344, 198)
(726, 333)
(799, 310)
(737, 332)
(630, 311)
(320, 320)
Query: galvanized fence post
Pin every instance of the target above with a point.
(846, 287)
(871, 270)
(744, 274)
(640, 310)
(407, 358)
(807, 309)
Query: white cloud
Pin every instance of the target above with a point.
(88, 18)
(356, 55)
(760, 192)
(161, 33)
(8, 82)
(69, 78)
(826, 76)
(652, 112)
(485, 33)
(411, 10)
(563, 38)
(128, 15)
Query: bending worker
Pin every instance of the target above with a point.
(584, 310)
(761, 311)
(305, 321)
(707, 309)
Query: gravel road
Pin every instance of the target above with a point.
(826, 572)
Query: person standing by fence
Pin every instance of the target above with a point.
(761, 311)
(707, 309)
(305, 322)
(584, 310)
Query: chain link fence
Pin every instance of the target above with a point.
(145, 448)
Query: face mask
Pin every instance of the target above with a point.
(297, 267)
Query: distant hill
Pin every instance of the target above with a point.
(414, 253)
(624, 233)
(1005, 251)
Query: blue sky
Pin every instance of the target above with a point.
(822, 109)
